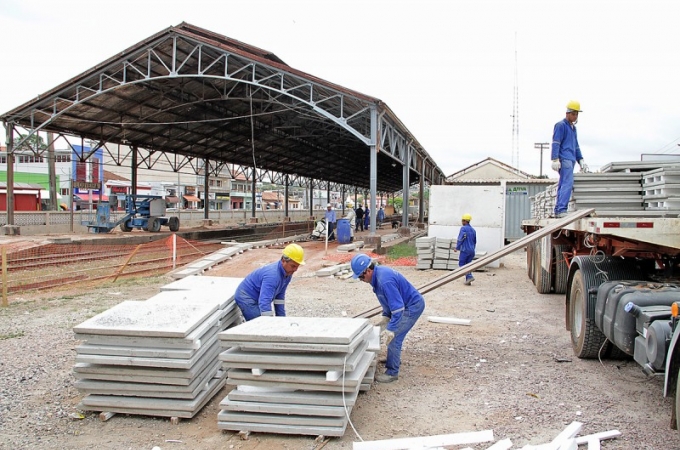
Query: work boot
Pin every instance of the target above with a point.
(384, 378)
(468, 281)
(561, 215)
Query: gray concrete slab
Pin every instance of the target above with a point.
(222, 299)
(295, 398)
(326, 330)
(146, 362)
(153, 406)
(124, 388)
(282, 429)
(236, 358)
(132, 318)
(309, 379)
(280, 419)
(204, 283)
(281, 408)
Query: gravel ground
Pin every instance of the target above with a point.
(502, 373)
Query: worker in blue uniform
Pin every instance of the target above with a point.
(367, 218)
(565, 153)
(267, 285)
(466, 245)
(401, 303)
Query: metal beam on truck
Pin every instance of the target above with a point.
(481, 262)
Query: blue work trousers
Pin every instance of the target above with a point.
(408, 319)
(466, 258)
(250, 307)
(564, 186)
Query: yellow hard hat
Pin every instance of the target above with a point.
(295, 252)
(573, 105)
(467, 217)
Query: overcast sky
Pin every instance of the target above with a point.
(446, 68)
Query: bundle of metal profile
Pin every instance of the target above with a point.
(296, 375)
(157, 357)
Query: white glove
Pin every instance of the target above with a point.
(584, 166)
(556, 165)
(384, 320)
(386, 336)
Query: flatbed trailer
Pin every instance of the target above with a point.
(621, 281)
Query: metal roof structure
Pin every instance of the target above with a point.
(187, 94)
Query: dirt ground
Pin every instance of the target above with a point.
(511, 371)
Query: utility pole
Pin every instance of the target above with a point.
(541, 146)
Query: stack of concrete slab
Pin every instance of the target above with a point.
(442, 253)
(296, 375)
(661, 189)
(425, 252)
(157, 357)
(617, 191)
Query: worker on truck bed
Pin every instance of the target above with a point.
(466, 245)
(401, 303)
(565, 153)
(267, 285)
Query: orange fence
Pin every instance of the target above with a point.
(71, 265)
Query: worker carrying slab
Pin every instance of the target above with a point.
(401, 303)
(267, 285)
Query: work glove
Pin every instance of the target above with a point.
(386, 336)
(382, 323)
(556, 165)
(584, 166)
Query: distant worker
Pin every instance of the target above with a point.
(351, 217)
(401, 303)
(565, 153)
(330, 218)
(267, 285)
(466, 244)
(360, 219)
(367, 218)
(381, 216)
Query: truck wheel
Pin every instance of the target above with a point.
(586, 338)
(173, 223)
(154, 225)
(124, 227)
(561, 269)
(677, 402)
(542, 278)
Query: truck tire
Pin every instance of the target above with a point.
(154, 225)
(124, 227)
(677, 402)
(542, 278)
(586, 338)
(173, 223)
(561, 269)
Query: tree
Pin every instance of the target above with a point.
(33, 143)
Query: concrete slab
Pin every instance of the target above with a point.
(280, 419)
(282, 429)
(326, 330)
(123, 388)
(295, 397)
(204, 282)
(221, 298)
(133, 318)
(146, 362)
(237, 358)
(309, 379)
(281, 408)
(154, 406)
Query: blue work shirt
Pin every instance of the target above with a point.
(330, 215)
(267, 285)
(381, 215)
(565, 142)
(467, 239)
(394, 293)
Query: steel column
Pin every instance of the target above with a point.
(206, 188)
(375, 148)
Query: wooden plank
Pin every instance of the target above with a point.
(481, 262)
(425, 442)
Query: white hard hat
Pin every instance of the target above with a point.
(329, 206)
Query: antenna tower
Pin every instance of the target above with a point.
(515, 116)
